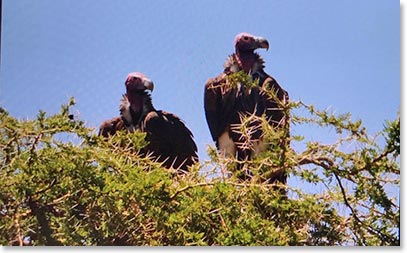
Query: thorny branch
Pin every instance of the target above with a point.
(354, 214)
(33, 147)
(18, 228)
(328, 164)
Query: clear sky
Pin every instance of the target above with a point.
(343, 55)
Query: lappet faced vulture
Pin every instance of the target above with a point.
(226, 105)
(169, 140)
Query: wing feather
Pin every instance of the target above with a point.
(170, 140)
(110, 127)
(219, 101)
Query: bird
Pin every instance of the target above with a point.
(169, 141)
(226, 105)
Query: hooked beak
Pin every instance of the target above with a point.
(148, 84)
(145, 84)
(261, 43)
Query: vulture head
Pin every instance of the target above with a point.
(137, 82)
(136, 86)
(247, 59)
(245, 42)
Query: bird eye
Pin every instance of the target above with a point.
(246, 38)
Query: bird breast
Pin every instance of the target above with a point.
(226, 144)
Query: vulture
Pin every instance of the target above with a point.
(226, 105)
(169, 140)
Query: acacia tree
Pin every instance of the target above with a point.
(61, 184)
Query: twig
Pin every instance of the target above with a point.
(33, 147)
(17, 225)
(53, 182)
(188, 187)
(224, 223)
(203, 184)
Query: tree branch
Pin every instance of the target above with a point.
(18, 228)
(382, 236)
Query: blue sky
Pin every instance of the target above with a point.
(343, 55)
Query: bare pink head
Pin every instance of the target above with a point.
(246, 42)
(136, 85)
(137, 81)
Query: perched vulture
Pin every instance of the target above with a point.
(225, 105)
(169, 140)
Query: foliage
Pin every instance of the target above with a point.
(61, 184)
(236, 78)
